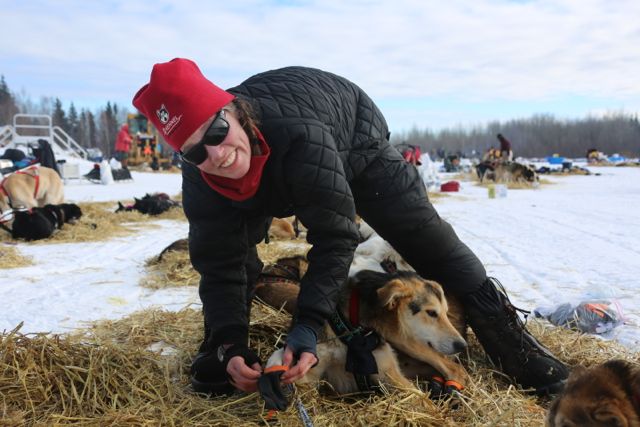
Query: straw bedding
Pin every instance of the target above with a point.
(99, 222)
(11, 257)
(175, 270)
(135, 372)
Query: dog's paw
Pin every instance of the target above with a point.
(452, 387)
(435, 387)
(438, 388)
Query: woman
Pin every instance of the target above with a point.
(306, 142)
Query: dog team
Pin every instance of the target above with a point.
(32, 208)
(31, 203)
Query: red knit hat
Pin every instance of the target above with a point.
(178, 99)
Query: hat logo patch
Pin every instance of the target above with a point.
(163, 114)
(171, 125)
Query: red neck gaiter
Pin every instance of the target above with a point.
(247, 186)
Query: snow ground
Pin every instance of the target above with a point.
(573, 239)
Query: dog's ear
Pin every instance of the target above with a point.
(436, 289)
(394, 291)
(621, 368)
(635, 386)
(629, 376)
(635, 379)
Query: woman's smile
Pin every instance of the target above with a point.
(229, 160)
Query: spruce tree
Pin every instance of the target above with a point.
(59, 117)
(74, 123)
(8, 106)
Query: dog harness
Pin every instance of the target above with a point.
(360, 344)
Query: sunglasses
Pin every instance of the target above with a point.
(214, 135)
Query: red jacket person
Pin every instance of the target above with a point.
(123, 145)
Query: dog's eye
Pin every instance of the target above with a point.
(432, 313)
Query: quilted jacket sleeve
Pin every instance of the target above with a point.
(218, 248)
(325, 205)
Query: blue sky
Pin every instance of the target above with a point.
(426, 63)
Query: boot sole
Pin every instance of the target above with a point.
(214, 388)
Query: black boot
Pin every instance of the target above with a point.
(209, 373)
(509, 345)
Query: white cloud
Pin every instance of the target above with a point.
(477, 50)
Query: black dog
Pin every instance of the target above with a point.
(65, 213)
(36, 224)
(484, 168)
(150, 204)
(72, 212)
(56, 212)
(40, 223)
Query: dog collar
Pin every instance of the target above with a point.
(55, 216)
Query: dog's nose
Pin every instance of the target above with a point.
(458, 346)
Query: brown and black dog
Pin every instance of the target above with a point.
(603, 395)
(506, 172)
(279, 284)
(409, 313)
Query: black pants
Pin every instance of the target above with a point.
(391, 197)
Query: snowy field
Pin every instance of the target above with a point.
(572, 240)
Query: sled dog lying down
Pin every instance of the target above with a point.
(403, 312)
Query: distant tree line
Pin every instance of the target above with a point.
(537, 136)
(96, 129)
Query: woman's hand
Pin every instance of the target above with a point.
(244, 377)
(305, 362)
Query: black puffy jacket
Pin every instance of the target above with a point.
(323, 130)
